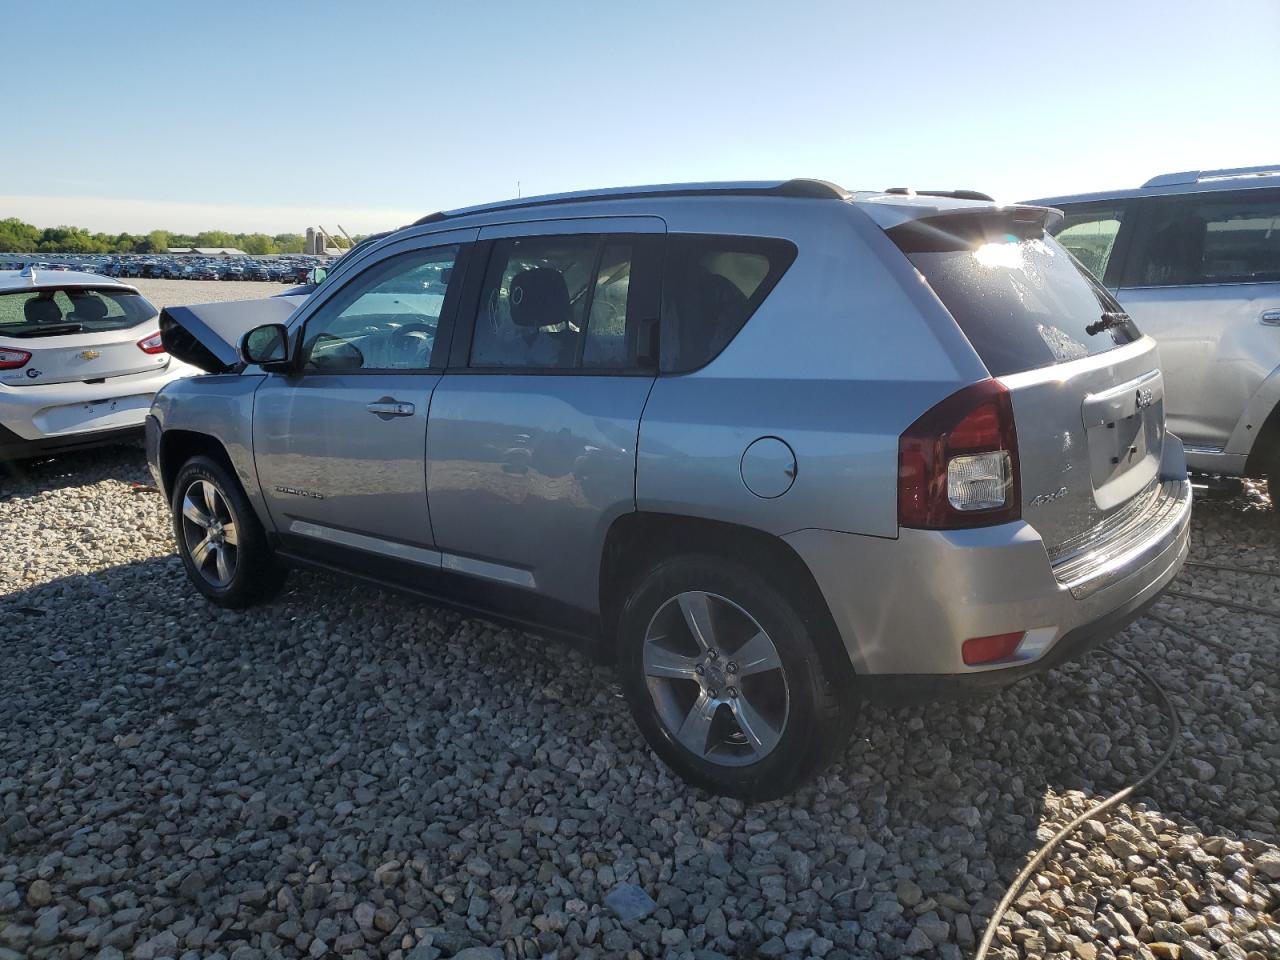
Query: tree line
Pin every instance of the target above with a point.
(19, 237)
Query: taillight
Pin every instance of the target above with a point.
(151, 344)
(12, 359)
(958, 463)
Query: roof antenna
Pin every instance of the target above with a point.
(517, 189)
(29, 271)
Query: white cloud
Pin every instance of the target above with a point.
(139, 216)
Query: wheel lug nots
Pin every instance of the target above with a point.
(731, 667)
(733, 693)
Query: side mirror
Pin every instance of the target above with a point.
(267, 346)
(317, 275)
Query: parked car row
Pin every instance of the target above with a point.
(773, 447)
(283, 268)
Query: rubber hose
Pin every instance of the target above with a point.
(1020, 881)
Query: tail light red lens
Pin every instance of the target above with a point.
(958, 463)
(989, 649)
(151, 344)
(13, 359)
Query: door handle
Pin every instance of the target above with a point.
(1270, 318)
(386, 408)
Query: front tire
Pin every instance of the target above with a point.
(725, 681)
(220, 539)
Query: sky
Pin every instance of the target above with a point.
(272, 116)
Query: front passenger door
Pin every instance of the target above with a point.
(340, 444)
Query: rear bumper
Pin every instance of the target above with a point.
(904, 607)
(14, 447)
(64, 415)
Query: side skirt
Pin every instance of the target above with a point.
(509, 606)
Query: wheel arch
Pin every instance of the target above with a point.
(1257, 433)
(179, 446)
(636, 541)
(1265, 451)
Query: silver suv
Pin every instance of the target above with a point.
(1195, 257)
(774, 447)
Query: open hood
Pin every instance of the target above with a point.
(207, 335)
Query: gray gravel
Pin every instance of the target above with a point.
(347, 772)
(170, 293)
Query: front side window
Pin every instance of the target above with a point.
(711, 285)
(1090, 234)
(1195, 240)
(385, 318)
(42, 313)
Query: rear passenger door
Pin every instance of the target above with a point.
(1203, 278)
(531, 444)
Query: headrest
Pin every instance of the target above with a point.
(41, 310)
(539, 298)
(89, 306)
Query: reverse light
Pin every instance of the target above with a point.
(958, 463)
(152, 344)
(13, 359)
(1001, 646)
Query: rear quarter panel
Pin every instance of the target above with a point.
(848, 349)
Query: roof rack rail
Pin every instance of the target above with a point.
(1201, 176)
(953, 194)
(800, 187)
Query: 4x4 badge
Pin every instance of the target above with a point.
(1048, 497)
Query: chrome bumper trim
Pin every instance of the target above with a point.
(1125, 541)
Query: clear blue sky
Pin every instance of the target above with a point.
(272, 115)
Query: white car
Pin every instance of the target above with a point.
(80, 361)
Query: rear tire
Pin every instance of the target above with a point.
(747, 710)
(220, 539)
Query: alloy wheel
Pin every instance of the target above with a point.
(715, 678)
(209, 532)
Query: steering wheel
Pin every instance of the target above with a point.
(402, 348)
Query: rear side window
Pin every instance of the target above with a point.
(1222, 239)
(1019, 296)
(37, 313)
(567, 302)
(1090, 234)
(711, 285)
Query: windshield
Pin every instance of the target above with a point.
(52, 312)
(1019, 296)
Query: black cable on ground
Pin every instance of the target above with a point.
(1230, 604)
(1231, 567)
(1020, 881)
(1224, 648)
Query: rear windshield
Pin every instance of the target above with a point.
(43, 313)
(1019, 296)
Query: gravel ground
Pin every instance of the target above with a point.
(170, 293)
(347, 772)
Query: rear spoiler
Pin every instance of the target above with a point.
(207, 335)
(961, 228)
